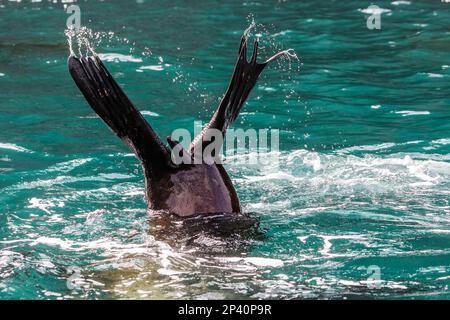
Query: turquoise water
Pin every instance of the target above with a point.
(359, 207)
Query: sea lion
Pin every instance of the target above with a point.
(182, 189)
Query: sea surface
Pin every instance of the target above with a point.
(358, 205)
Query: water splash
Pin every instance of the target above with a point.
(268, 42)
(70, 32)
(288, 65)
(84, 38)
(288, 54)
(249, 29)
(84, 41)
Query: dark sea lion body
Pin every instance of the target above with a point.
(195, 189)
(183, 189)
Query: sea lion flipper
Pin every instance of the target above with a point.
(242, 82)
(109, 101)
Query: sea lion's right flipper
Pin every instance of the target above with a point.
(242, 82)
(112, 105)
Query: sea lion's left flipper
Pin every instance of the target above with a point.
(109, 101)
(242, 82)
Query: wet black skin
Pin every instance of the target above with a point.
(185, 189)
(195, 189)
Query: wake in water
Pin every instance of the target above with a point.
(310, 207)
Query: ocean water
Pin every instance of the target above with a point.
(359, 206)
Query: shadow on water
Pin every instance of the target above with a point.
(238, 229)
(184, 258)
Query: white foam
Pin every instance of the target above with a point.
(282, 33)
(328, 239)
(313, 160)
(14, 147)
(435, 75)
(157, 67)
(117, 57)
(255, 261)
(407, 113)
(271, 176)
(43, 204)
(374, 10)
(444, 141)
(68, 166)
(400, 2)
(374, 147)
(150, 113)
